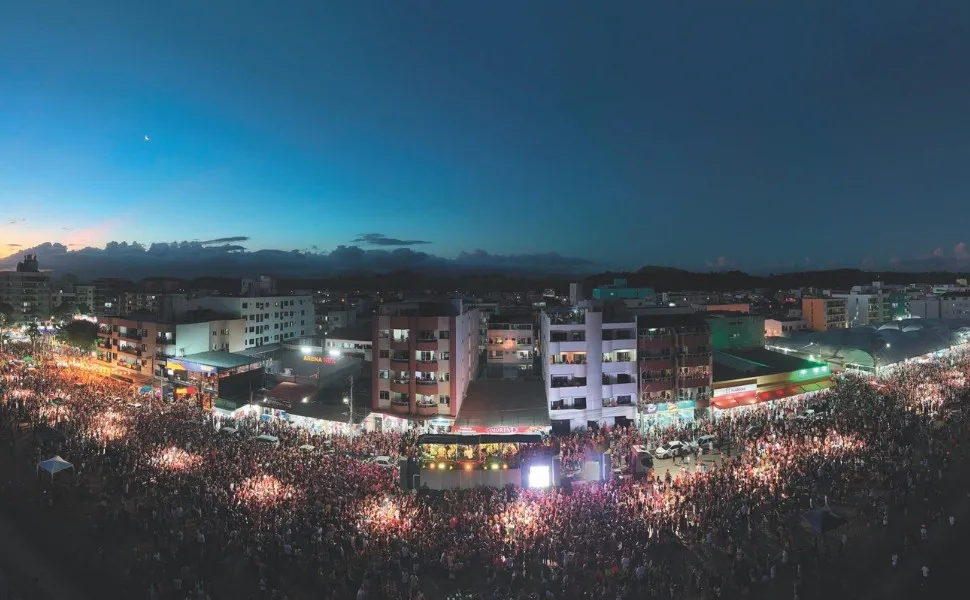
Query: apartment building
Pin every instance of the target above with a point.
(509, 341)
(135, 344)
(866, 305)
(26, 290)
(824, 313)
(269, 319)
(589, 368)
(357, 342)
(84, 297)
(328, 317)
(139, 302)
(427, 353)
(675, 362)
(952, 305)
(632, 297)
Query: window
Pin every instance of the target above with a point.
(213, 334)
(382, 374)
(445, 355)
(444, 334)
(444, 400)
(385, 354)
(385, 395)
(245, 304)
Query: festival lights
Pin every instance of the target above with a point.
(176, 459)
(265, 490)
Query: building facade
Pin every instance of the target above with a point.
(269, 319)
(132, 347)
(784, 326)
(27, 291)
(676, 368)
(84, 297)
(510, 342)
(589, 369)
(866, 305)
(732, 330)
(632, 297)
(356, 342)
(824, 313)
(952, 305)
(427, 353)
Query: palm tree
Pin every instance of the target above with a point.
(33, 332)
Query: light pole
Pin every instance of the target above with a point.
(349, 401)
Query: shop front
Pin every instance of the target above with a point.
(663, 414)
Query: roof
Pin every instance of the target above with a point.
(356, 334)
(264, 349)
(495, 320)
(290, 392)
(755, 362)
(220, 360)
(504, 402)
(671, 320)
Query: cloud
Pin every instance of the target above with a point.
(15, 245)
(226, 240)
(957, 259)
(721, 262)
(379, 239)
(194, 259)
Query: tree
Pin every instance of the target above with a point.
(33, 332)
(79, 334)
(64, 311)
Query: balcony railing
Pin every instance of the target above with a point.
(555, 360)
(132, 336)
(427, 382)
(612, 402)
(560, 405)
(574, 382)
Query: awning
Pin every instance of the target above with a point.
(734, 400)
(474, 440)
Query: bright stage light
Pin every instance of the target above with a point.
(540, 476)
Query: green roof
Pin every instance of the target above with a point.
(219, 360)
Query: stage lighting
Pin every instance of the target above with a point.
(540, 476)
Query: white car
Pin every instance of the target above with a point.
(382, 461)
(671, 449)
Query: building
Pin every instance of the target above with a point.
(577, 293)
(784, 326)
(948, 306)
(269, 319)
(139, 302)
(824, 313)
(427, 353)
(108, 293)
(739, 307)
(356, 341)
(732, 330)
(84, 297)
(27, 291)
(329, 317)
(510, 341)
(866, 305)
(632, 297)
(755, 375)
(589, 368)
(674, 359)
(135, 344)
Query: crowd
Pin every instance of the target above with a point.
(221, 515)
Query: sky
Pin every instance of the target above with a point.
(755, 135)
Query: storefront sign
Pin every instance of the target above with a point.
(191, 367)
(498, 430)
(737, 389)
(326, 360)
(670, 406)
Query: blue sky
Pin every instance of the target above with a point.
(629, 133)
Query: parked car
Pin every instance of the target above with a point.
(708, 443)
(671, 449)
(382, 461)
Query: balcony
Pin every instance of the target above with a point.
(694, 359)
(400, 363)
(426, 343)
(694, 379)
(400, 343)
(401, 386)
(427, 383)
(164, 341)
(656, 362)
(427, 409)
(565, 382)
(656, 384)
(428, 363)
(131, 336)
(401, 407)
(614, 402)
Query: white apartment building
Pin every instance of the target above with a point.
(952, 305)
(784, 326)
(589, 368)
(866, 305)
(269, 319)
(509, 341)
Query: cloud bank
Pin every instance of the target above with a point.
(226, 257)
(379, 239)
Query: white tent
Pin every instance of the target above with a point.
(54, 465)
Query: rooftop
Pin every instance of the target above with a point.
(496, 320)
(424, 307)
(504, 402)
(219, 360)
(670, 320)
(755, 362)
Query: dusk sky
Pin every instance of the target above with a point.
(690, 134)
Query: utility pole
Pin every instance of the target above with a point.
(350, 414)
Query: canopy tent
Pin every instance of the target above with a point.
(54, 465)
(823, 520)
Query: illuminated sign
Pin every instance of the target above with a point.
(326, 360)
(498, 429)
(737, 389)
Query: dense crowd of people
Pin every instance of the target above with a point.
(222, 515)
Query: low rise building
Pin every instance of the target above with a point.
(269, 319)
(631, 297)
(784, 326)
(949, 306)
(357, 342)
(755, 375)
(732, 330)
